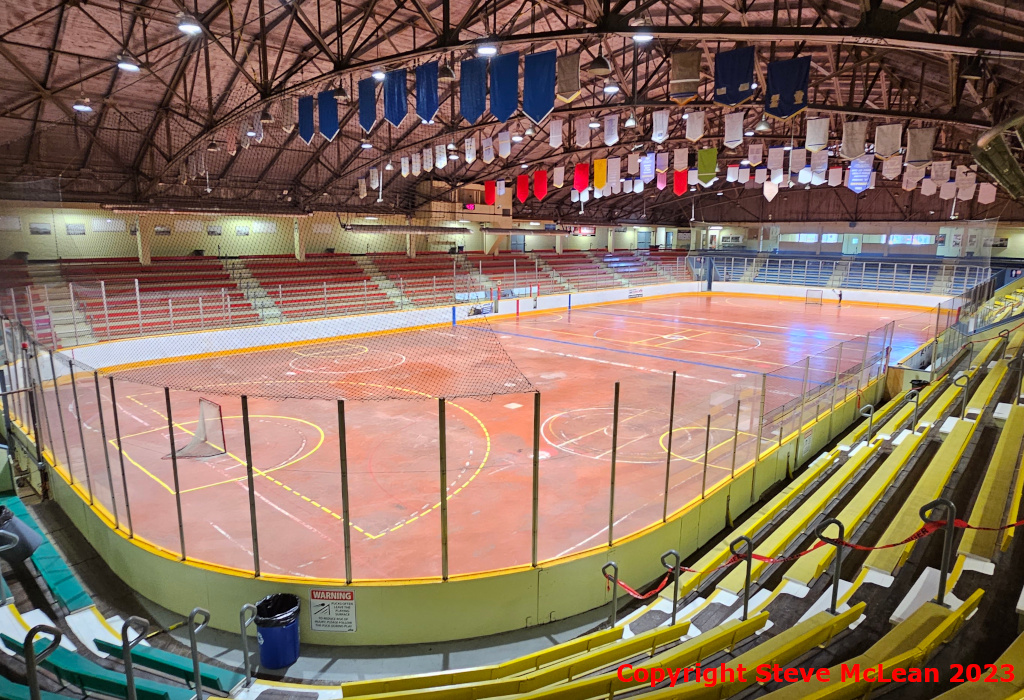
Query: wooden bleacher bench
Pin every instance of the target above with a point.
(991, 502)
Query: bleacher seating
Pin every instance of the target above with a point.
(515, 271)
(811, 273)
(579, 270)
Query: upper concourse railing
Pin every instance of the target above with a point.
(66, 310)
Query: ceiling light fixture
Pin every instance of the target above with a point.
(643, 36)
(445, 74)
(524, 166)
(82, 105)
(753, 86)
(517, 138)
(763, 126)
(212, 147)
(600, 66)
(366, 145)
(370, 218)
(128, 64)
(378, 74)
(630, 121)
(389, 166)
(266, 117)
(341, 94)
(453, 156)
(748, 133)
(594, 124)
(487, 50)
(250, 132)
(189, 26)
(529, 131)
(610, 87)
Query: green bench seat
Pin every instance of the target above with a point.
(175, 665)
(9, 690)
(75, 670)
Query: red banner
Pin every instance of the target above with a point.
(540, 184)
(522, 187)
(490, 191)
(581, 177)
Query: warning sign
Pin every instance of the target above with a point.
(332, 610)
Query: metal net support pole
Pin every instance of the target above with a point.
(668, 447)
(106, 452)
(60, 419)
(81, 431)
(251, 483)
(345, 505)
(120, 456)
(707, 448)
(535, 528)
(174, 470)
(615, 445)
(443, 463)
(760, 434)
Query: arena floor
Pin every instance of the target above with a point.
(719, 345)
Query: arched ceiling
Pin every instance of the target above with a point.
(882, 61)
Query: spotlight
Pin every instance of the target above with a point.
(366, 145)
(524, 166)
(189, 26)
(594, 124)
(389, 166)
(128, 64)
(378, 74)
(611, 87)
(486, 50)
(763, 126)
(630, 121)
(445, 74)
(748, 133)
(517, 138)
(453, 156)
(451, 146)
(643, 36)
(82, 105)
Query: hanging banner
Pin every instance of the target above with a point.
(928, 187)
(691, 176)
(584, 197)
(428, 159)
(920, 143)
(440, 157)
(819, 161)
(500, 187)
(695, 126)
(598, 192)
(707, 165)
(633, 163)
(776, 158)
(426, 91)
(361, 184)
(555, 133)
(611, 129)
(804, 175)
(522, 188)
(661, 162)
(306, 128)
(732, 173)
(755, 154)
(504, 144)
(797, 160)
(415, 158)
(638, 186)
(786, 93)
(367, 104)
(679, 182)
(288, 119)
(614, 172)
(986, 193)
(600, 173)
(681, 159)
(374, 178)
(854, 135)
(947, 191)
(892, 167)
(574, 196)
(567, 77)
(647, 167)
(539, 85)
(888, 140)
(471, 149)
(662, 180)
(582, 125)
(744, 174)
(770, 190)
(581, 177)
(817, 134)
(558, 176)
(760, 174)
(504, 85)
(243, 136)
(734, 129)
(818, 178)
(490, 192)
(405, 166)
(627, 185)
(487, 149)
(684, 76)
(396, 102)
(659, 126)
(776, 176)
(835, 176)
(540, 184)
(473, 89)
(909, 183)
(915, 173)
(941, 171)
(858, 176)
(734, 73)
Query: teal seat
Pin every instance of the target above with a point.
(172, 664)
(9, 690)
(59, 578)
(91, 677)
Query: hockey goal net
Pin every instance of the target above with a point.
(208, 435)
(814, 296)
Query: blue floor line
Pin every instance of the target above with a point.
(627, 352)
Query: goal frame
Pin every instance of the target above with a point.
(814, 296)
(209, 411)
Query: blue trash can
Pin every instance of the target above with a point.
(277, 630)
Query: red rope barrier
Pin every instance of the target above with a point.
(924, 531)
